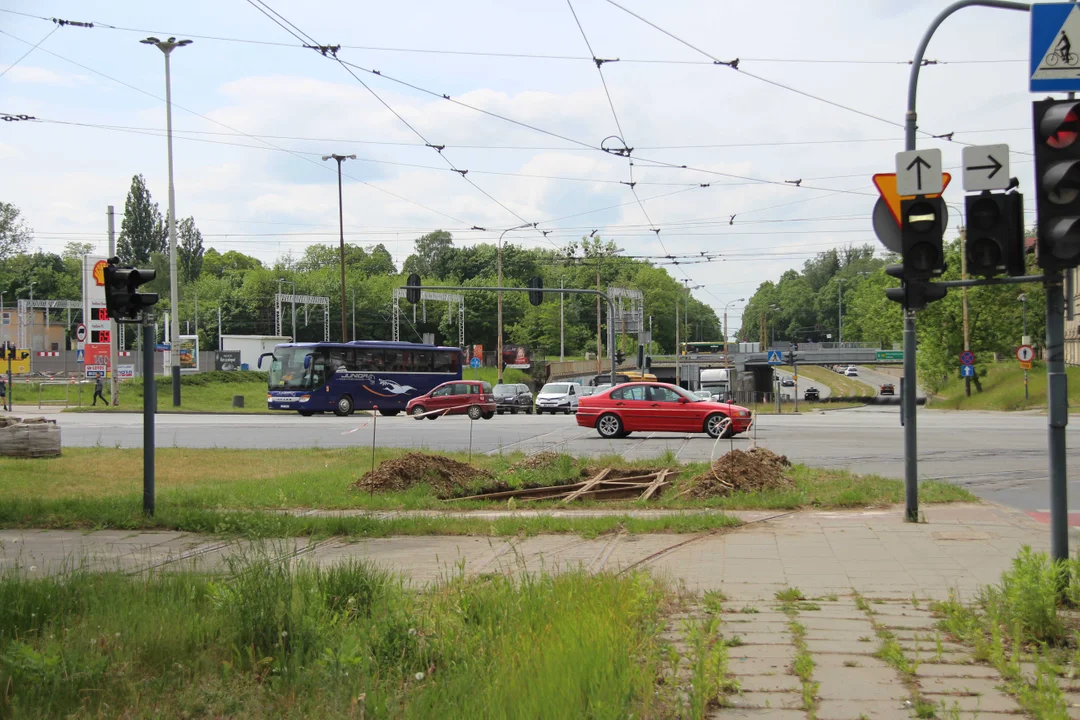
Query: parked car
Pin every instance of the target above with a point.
(851, 371)
(787, 381)
(511, 397)
(600, 388)
(458, 397)
(811, 393)
(888, 389)
(586, 390)
(647, 406)
(557, 397)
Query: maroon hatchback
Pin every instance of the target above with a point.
(458, 397)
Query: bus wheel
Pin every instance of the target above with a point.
(389, 413)
(344, 406)
(306, 413)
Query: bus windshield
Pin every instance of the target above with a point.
(287, 370)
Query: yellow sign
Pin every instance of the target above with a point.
(886, 185)
(1025, 365)
(18, 367)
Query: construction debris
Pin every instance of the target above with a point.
(600, 486)
(441, 473)
(741, 471)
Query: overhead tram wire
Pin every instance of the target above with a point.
(241, 132)
(32, 49)
(331, 52)
(528, 56)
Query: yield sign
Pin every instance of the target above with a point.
(886, 185)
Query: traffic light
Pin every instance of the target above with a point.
(412, 289)
(791, 352)
(122, 298)
(922, 232)
(536, 283)
(1057, 181)
(620, 357)
(995, 233)
(912, 294)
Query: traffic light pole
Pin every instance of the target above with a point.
(1057, 392)
(911, 459)
(149, 407)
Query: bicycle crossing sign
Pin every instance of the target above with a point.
(1055, 44)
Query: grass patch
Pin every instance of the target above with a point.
(708, 667)
(839, 385)
(207, 489)
(803, 665)
(1003, 389)
(203, 392)
(295, 640)
(1024, 618)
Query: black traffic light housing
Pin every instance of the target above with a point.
(922, 232)
(995, 234)
(535, 284)
(620, 357)
(122, 297)
(913, 294)
(1057, 182)
(412, 289)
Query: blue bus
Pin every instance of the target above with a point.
(360, 375)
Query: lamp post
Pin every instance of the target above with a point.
(341, 226)
(499, 340)
(840, 310)
(726, 363)
(166, 47)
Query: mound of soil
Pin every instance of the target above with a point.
(542, 459)
(441, 473)
(742, 471)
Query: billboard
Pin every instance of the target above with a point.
(227, 360)
(516, 357)
(98, 346)
(188, 347)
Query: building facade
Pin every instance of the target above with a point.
(45, 332)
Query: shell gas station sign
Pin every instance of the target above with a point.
(98, 347)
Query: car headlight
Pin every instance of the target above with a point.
(744, 413)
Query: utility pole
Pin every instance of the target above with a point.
(114, 383)
(166, 47)
(599, 354)
(341, 226)
(677, 340)
(840, 310)
(354, 314)
(219, 345)
(964, 301)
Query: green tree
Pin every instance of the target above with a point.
(431, 253)
(189, 250)
(141, 228)
(15, 236)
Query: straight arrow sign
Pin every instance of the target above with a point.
(986, 167)
(918, 172)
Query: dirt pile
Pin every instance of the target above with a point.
(543, 459)
(441, 473)
(742, 471)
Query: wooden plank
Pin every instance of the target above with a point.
(656, 485)
(596, 480)
(618, 493)
(526, 492)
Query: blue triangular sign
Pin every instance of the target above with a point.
(79, 356)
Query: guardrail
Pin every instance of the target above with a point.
(66, 402)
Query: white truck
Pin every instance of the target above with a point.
(251, 347)
(717, 381)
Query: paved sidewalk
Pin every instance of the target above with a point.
(872, 551)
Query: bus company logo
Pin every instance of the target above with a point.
(395, 388)
(99, 272)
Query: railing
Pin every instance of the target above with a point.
(66, 402)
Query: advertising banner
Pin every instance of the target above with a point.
(188, 347)
(227, 360)
(516, 357)
(95, 316)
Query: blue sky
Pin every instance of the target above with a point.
(265, 202)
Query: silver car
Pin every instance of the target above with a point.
(557, 397)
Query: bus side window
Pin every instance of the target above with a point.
(395, 360)
(350, 360)
(421, 361)
(337, 360)
(443, 362)
(370, 360)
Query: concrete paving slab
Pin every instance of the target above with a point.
(772, 701)
(859, 709)
(770, 683)
(757, 714)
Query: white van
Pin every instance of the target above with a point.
(557, 397)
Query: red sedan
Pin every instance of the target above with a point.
(659, 407)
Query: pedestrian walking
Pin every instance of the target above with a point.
(99, 385)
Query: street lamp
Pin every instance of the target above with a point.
(772, 330)
(840, 309)
(499, 342)
(166, 47)
(341, 225)
(726, 306)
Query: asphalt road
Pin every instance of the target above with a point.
(998, 456)
(875, 378)
(804, 382)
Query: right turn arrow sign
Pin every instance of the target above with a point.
(986, 167)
